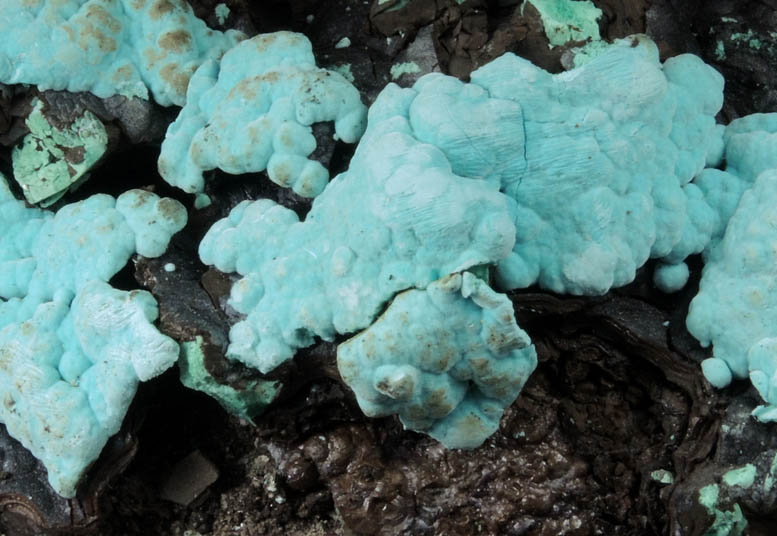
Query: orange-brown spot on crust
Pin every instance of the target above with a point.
(248, 87)
(417, 412)
(104, 19)
(286, 139)
(282, 174)
(141, 198)
(497, 339)
(270, 78)
(122, 73)
(69, 31)
(437, 401)
(168, 209)
(152, 56)
(159, 8)
(90, 33)
(479, 364)
(264, 42)
(175, 78)
(177, 41)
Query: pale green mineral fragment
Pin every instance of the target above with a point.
(568, 20)
(720, 51)
(247, 402)
(748, 38)
(202, 201)
(741, 476)
(663, 476)
(52, 158)
(588, 52)
(726, 523)
(222, 12)
(345, 70)
(408, 67)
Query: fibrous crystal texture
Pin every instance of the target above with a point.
(602, 180)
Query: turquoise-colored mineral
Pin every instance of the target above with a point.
(568, 20)
(153, 220)
(254, 111)
(741, 476)
(736, 307)
(671, 277)
(599, 159)
(584, 54)
(732, 310)
(611, 150)
(73, 349)
(107, 47)
(51, 159)
(725, 522)
(750, 149)
(572, 180)
(399, 218)
(447, 359)
(247, 401)
(222, 13)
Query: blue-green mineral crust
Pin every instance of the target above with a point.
(399, 218)
(254, 111)
(736, 307)
(599, 159)
(733, 309)
(571, 180)
(72, 348)
(610, 150)
(750, 149)
(246, 401)
(447, 359)
(107, 47)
